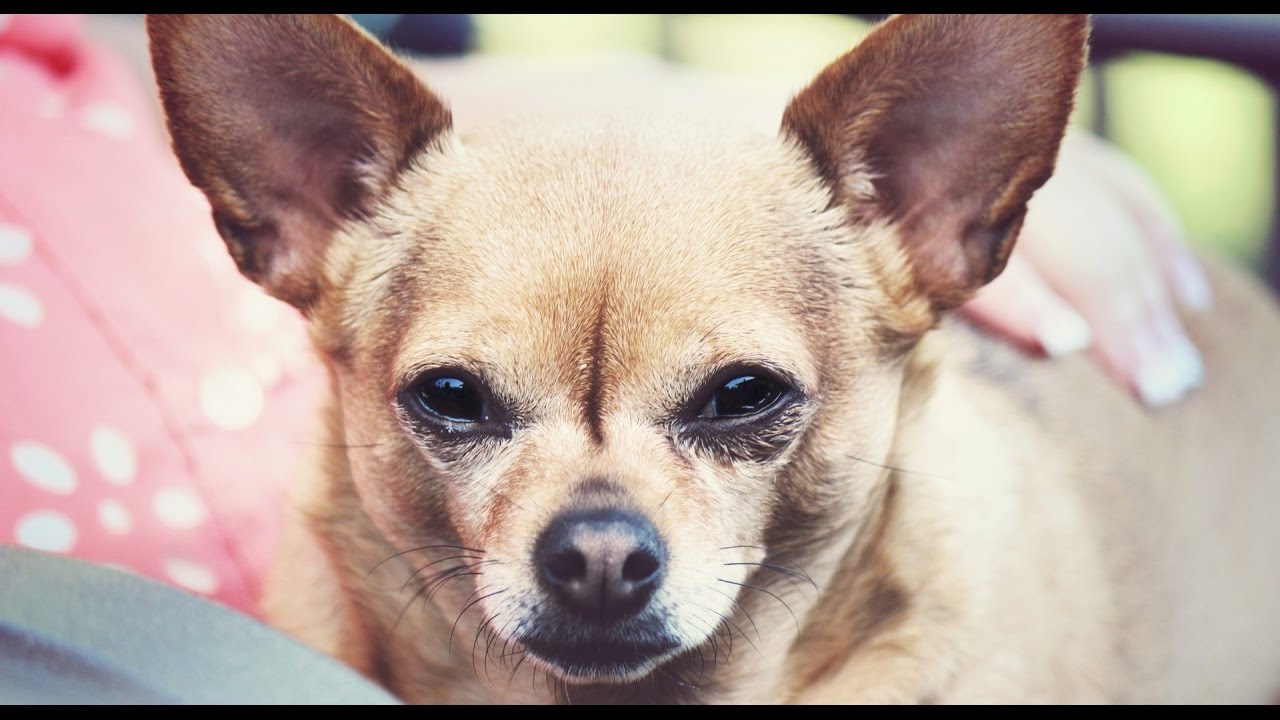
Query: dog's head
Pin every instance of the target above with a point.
(631, 370)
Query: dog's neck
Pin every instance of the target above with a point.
(868, 596)
(971, 461)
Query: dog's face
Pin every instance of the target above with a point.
(622, 371)
(605, 403)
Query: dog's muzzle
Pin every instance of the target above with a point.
(601, 568)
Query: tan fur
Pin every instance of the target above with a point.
(960, 522)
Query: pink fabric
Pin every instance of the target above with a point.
(153, 403)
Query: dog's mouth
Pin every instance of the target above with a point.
(602, 659)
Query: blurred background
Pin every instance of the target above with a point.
(1199, 114)
(1204, 128)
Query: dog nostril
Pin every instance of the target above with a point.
(640, 566)
(601, 564)
(566, 566)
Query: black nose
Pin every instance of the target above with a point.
(603, 563)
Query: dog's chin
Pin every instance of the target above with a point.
(602, 662)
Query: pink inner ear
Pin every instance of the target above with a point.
(315, 167)
(313, 153)
(958, 119)
(290, 124)
(941, 198)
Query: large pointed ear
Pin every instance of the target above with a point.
(290, 124)
(954, 120)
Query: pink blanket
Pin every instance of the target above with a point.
(153, 403)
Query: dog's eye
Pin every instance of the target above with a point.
(456, 399)
(746, 394)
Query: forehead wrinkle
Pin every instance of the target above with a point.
(591, 404)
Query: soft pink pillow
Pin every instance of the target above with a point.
(155, 403)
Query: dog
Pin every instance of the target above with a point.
(642, 411)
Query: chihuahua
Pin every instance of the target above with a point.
(648, 411)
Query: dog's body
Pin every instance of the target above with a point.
(1027, 556)
(533, 322)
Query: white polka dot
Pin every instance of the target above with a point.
(231, 398)
(191, 575)
(268, 370)
(115, 517)
(113, 454)
(46, 530)
(299, 356)
(107, 118)
(19, 306)
(179, 508)
(258, 312)
(43, 467)
(15, 244)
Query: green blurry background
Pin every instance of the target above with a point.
(1204, 130)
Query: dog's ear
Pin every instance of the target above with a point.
(955, 120)
(289, 124)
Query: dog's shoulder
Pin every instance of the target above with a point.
(1168, 509)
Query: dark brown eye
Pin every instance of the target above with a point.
(450, 403)
(449, 396)
(452, 399)
(743, 395)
